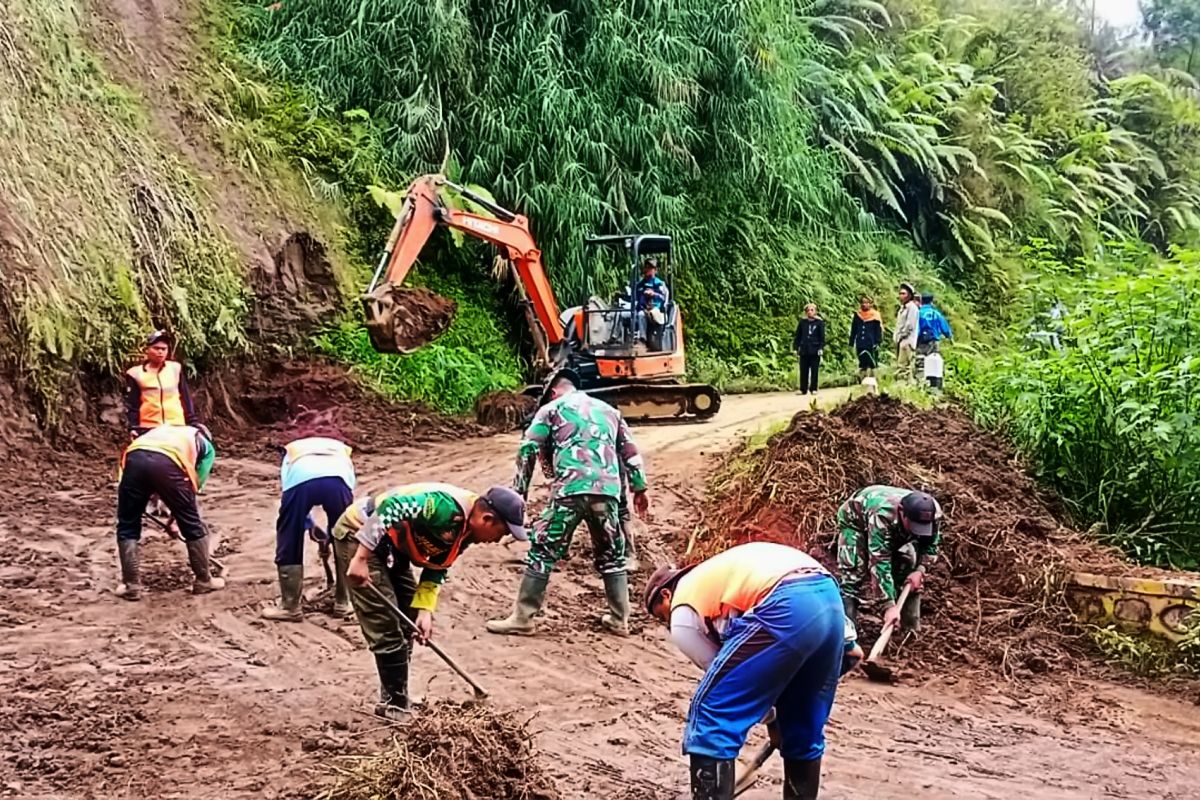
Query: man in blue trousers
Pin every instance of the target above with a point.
(765, 622)
(316, 471)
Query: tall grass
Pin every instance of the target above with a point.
(1110, 420)
(105, 232)
(610, 116)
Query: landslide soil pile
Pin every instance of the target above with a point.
(504, 411)
(265, 405)
(449, 750)
(995, 597)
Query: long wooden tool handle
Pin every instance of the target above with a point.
(886, 634)
(479, 690)
(743, 782)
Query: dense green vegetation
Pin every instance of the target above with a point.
(570, 117)
(1104, 394)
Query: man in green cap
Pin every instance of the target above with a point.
(585, 441)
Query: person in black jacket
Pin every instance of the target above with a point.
(809, 343)
(866, 332)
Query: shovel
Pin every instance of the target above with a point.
(876, 671)
(745, 776)
(168, 528)
(480, 692)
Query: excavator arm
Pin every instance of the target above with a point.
(423, 211)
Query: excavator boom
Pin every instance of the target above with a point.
(393, 313)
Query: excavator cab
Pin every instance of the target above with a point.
(634, 325)
(631, 352)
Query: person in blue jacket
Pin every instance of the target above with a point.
(933, 326)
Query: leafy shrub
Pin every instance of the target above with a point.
(1111, 418)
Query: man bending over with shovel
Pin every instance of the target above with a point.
(765, 623)
(316, 471)
(893, 534)
(381, 538)
(173, 462)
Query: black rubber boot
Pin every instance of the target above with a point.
(393, 685)
(616, 590)
(801, 779)
(205, 582)
(530, 598)
(712, 778)
(131, 584)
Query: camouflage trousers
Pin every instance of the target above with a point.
(550, 539)
(854, 563)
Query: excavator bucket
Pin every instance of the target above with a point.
(403, 319)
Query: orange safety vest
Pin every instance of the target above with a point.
(739, 578)
(177, 442)
(161, 403)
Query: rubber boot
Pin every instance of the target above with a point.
(131, 583)
(530, 598)
(291, 592)
(712, 778)
(342, 607)
(616, 589)
(801, 779)
(393, 685)
(198, 560)
(910, 614)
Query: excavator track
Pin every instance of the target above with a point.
(665, 402)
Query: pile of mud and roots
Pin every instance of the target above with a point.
(995, 596)
(449, 750)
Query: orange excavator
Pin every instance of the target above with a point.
(629, 356)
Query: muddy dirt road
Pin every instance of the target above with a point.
(185, 697)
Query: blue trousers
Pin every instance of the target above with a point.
(785, 653)
(331, 494)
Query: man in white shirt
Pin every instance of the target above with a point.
(316, 471)
(908, 324)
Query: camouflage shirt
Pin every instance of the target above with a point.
(584, 442)
(875, 512)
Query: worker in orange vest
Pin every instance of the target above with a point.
(765, 622)
(156, 391)
(173, 462)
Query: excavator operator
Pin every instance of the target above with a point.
(651, 300)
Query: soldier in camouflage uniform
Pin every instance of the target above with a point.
(586, 441)
(378, 540)
(892, 534)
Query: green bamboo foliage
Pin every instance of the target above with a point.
(602, 116)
